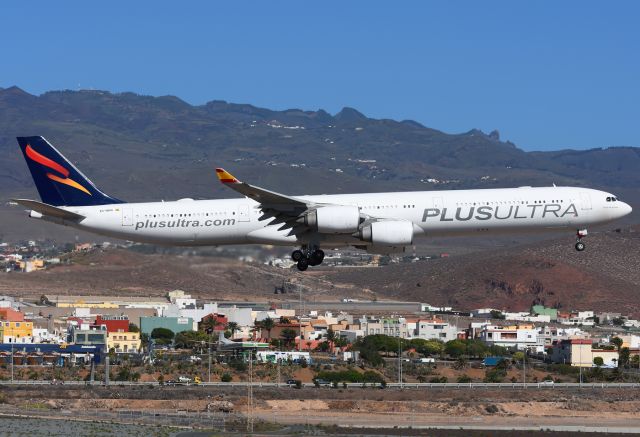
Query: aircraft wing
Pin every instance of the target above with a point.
(282, 209)
(50, 210)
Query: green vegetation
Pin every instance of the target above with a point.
(349, 375)
(191, 340)
(162, 335)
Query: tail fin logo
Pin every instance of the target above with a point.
(41, 159)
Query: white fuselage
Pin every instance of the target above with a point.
(433, 213)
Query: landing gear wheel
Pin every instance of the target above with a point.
(297, 255)
(316, 257)
(303, 264)
(580, 246)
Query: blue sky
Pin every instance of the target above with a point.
(546, 74)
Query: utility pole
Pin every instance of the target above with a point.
(400, 361)
(250, 395)
(580, 364)
(11, 361)
(209, 360)
(106, 370)
(278, 362)
(300, 322)
(524, 368)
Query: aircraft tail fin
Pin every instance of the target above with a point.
(58, 181)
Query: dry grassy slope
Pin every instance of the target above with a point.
(122, 273)
(605, 277)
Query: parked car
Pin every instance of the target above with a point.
(547, 382)
(321, 382)
(293, 381)
(424, 360)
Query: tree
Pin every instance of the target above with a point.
(162, 335)
(598, 361)
(455, 348)
(624, 357)
(427, 347)
(518, 357)
(288, 335)
(495, 314)
(133, 327)
(190, 339)
(617, 341)
(331, 335)
(210, 323)
(267, 324)
(232, 327)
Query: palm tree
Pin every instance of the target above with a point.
(210, 323)
(288, 335)
(617, 341)
(232, 327)
(268, 324)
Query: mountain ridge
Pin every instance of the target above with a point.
(143, 148)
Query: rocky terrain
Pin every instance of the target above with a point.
(605, 277)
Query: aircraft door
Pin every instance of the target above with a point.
(127, 217)
(243, 213)
(585, 201)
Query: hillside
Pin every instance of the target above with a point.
(606, 276)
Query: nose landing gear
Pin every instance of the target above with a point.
(580, 246)
(307, 258)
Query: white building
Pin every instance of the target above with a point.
(186, 308)
(512, 336)
(282, 356)
(435, 329)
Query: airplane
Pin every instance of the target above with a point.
(376, 222)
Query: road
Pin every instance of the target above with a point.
(359, 307)
(392, 385)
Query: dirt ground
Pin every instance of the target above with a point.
(360, 407)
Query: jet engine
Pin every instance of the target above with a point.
(387, 233)
(333, 219)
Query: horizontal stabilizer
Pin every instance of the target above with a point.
(50, 210)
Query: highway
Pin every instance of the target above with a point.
(358, 306)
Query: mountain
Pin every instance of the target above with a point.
(142, 148)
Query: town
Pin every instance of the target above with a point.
(177, 339)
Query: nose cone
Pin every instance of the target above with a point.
(625, 209)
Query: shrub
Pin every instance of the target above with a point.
(226, 377)
(439, 380)
(464, 378)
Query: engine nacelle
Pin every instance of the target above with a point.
(388, 233)
(333, 219)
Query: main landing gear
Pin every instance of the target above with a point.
(580, 246)
(307, 257)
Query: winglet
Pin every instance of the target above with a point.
(226, 177)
